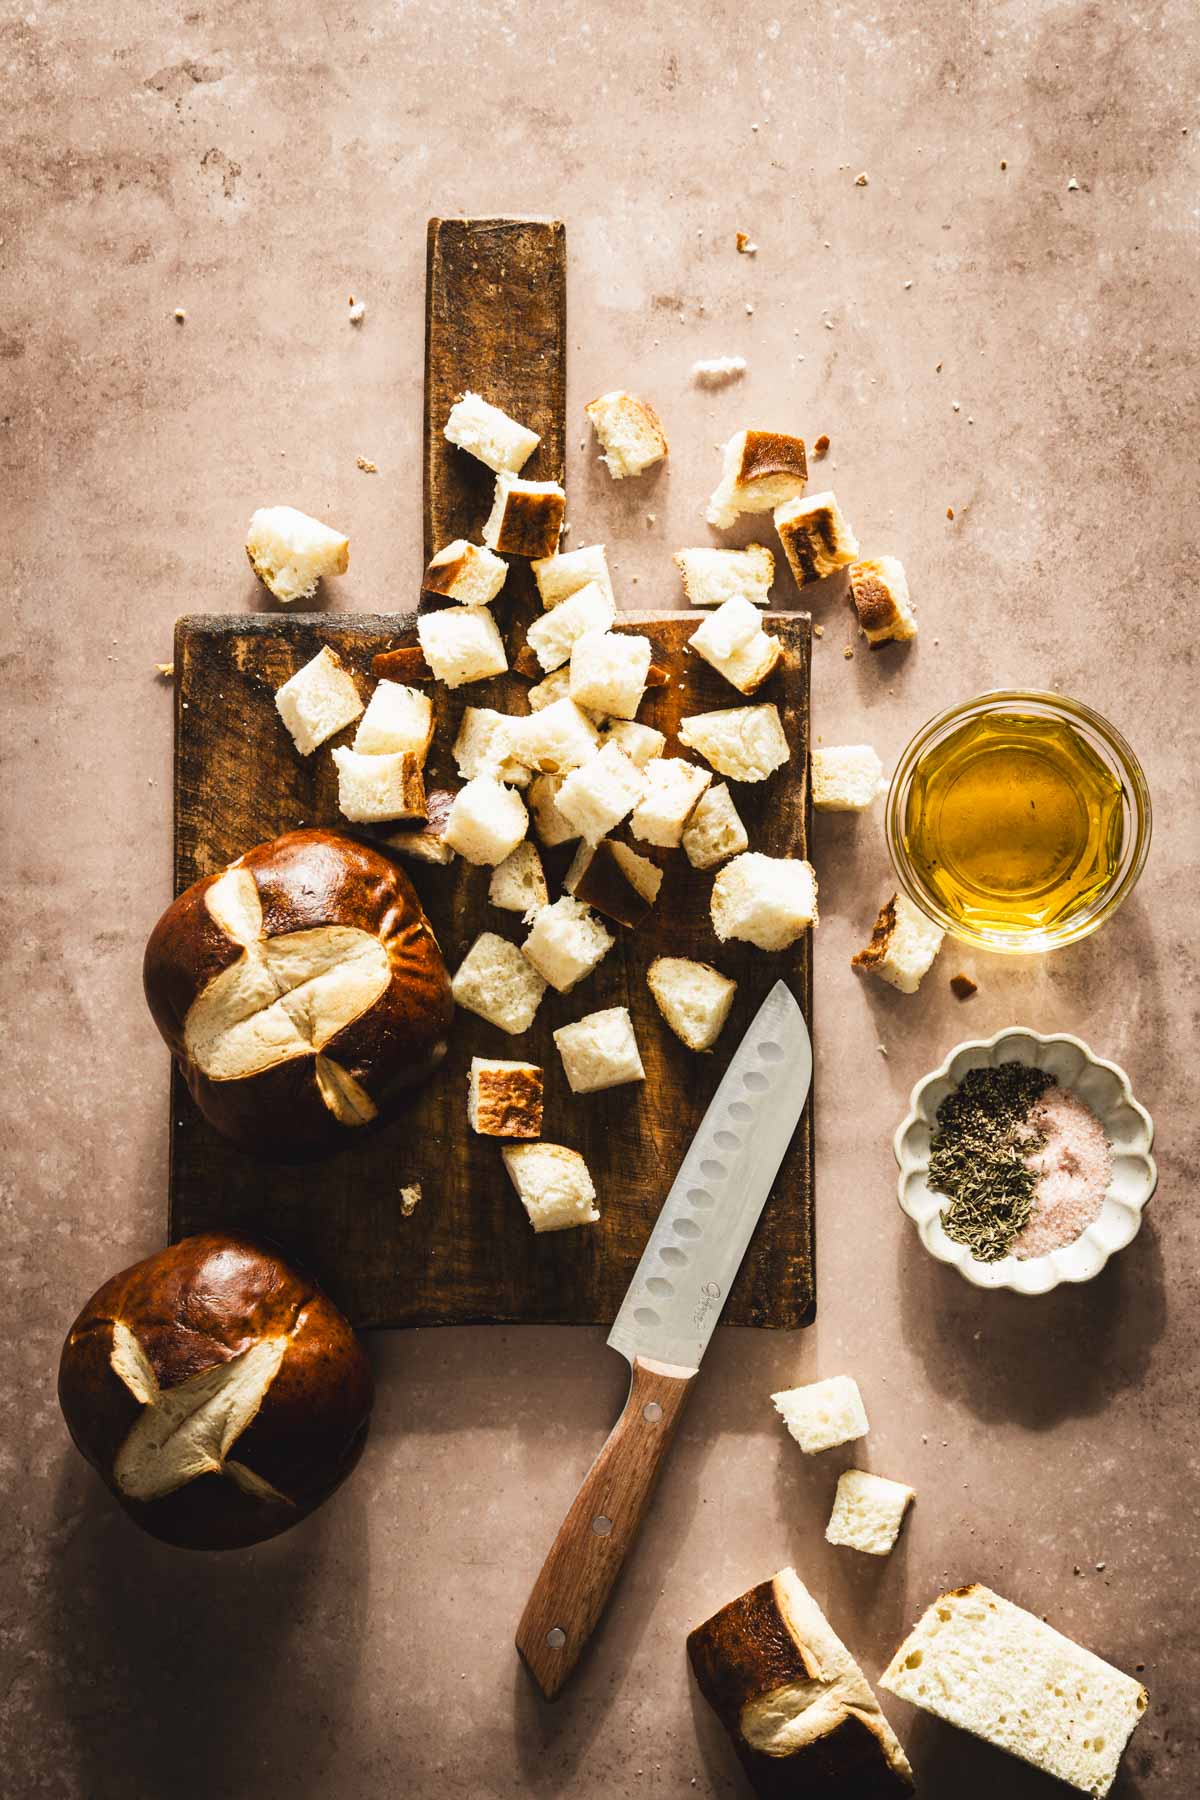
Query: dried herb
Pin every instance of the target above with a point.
(978, 1152)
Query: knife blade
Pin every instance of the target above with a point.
(665, 1322)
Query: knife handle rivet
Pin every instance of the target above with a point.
(652, 1412)
(556, 1637)
(601, 1526)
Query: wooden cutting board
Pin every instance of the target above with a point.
(467, 1253)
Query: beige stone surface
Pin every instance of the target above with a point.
(987, 338)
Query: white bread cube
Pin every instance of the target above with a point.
(465, 572)
(462, 643)
(556, 686)
(595, 798)
(692, 997)
(711, 577)
(993, 1669)
(318, 700)
(600, 1051)
(672, 789)
(558, 577)
(504, 1099)
(518, 884)
(816, 538)
(484, 746)
(902, 947)
(555, 740)
(764, 900)
(566, 943)
(487, 821)
(745, 743)
(867, 1512)
(823, 1414)
(495, 981)
(608, 672)
(553, 636)
(424, 841)
(548, 822)
(846, 778)
(489, 435)
(615, 880)
(552, 1184)
(630, 433)
(397, 718)
(290, 552)
(761, 469)
(372, 789)
(733, 642)
(526, 517)
(714, 832)
(879, 590)
(641, 743)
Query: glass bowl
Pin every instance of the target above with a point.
(1105, 741)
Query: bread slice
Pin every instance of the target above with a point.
(319, 700)
(732, 641)
(504, 1099)
(552, 637)
(879, 590)
(823, 1414)
(868, 1512)
(993, 1669)
(558, 577)
(902, 947)
(553, 1185)
(714, 832)
(761, 470)
(462, 643)
(489, 435)
(641, 743)
(608, 672)
(799, 1710)
(692, 997)
(373, 789)
(768, 901)
(526, 517)
(630, 433)
(596, 797)
(487, 821)
(424, 840)
(397, 718)
(816, 538)
(290, 552)
(495, 981)
(711, 577)
(846, 778)
(518, 884)
(615, 880)
(468, 573)
(671, 791)
(559, 738)
(600, 1051)
(746, 743)
(484, 746)
(566, 943)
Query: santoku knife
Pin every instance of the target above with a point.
(665, 1322)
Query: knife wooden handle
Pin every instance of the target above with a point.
(597, 1534)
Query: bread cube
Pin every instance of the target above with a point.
(566, 943)
(318, 700)
(846, 778)
(489, 435)
(615, 880)
(484, 746)
(902, 947)
(672, 788)
(397, 718)
(600, 1051)
(816, 538)
(761, 469)
(504, 1099)
(868, 1512)
(596, 797)
(553, 1185)
(497, 982)
(733, 642)
(526, 517)
(424, 840)
(558, 577)
(641, 743)
(879, 590)
(692, 997)
(462, 643)
(711, 577)
(746, 743)
(548, 822)
(555, 740)
(290, 552)
(630, 433)
(518, 884)
(764, 900)
(487, 821)
(714, 832)
(465, 572)
(608, 672)
(552, 637)
(372, 789)
(823, 1414)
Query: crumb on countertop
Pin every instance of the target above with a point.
(745, 247)
(410, 1199)
(861, 180)
(366, 465)
(179, 315)
(166, 670)
(358, 311)
(963, 987)
(821, 446)
(848, 652)
(713, 370)
(818, 631)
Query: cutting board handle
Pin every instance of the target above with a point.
(597, 1534)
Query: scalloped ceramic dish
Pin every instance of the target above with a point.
(1105, 1088)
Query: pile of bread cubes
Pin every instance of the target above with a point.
(580, 765)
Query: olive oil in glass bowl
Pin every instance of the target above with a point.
(1019, 821)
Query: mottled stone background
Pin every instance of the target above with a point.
(256, 164)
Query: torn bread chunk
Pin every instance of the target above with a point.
(714, 832)
(903, 945)
(484, 746)
(761, 470)
(489, 435)
(318, 700)
(867, 1512)
(461, 644)
(823, 1414)
(558, 577)
(608, 672)
(630, 433)
(600, 1051)
(711, 577)
(816, 538)
(641, 743)
(672, 789)
(290, 552)
(879, 590)
(768, 901)
(518, 884)
(397, 718)
(497, 982)
(424, 840)
(553, 636)
(692, 997)
(373, 789)
(745, 743)
(615, 880)
(596, 797)
(733, 642)
(526, 517)
(468, 573)
(487, 821)
(556, 686)
(504, 1099)
(553, 1185)
(846, 778)
(548, 822)
(555, 740)
(566, 943)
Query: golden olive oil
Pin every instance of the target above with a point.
(1013, 822)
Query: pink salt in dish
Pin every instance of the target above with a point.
(1074, 1168)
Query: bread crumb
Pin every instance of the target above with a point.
(829, 324)
(714, 370)
(949, 512)
(818, 631)
(1073, 188)
(358, 311)
(821, 447)
(749, 306)
(179, 315)
(366, 465)
(962, 987)
(861, 180)
(651, 518)
(955, 406)
(847, 652)
(410, 1199)
(882, 1049)
(745, 247)
(1100, 1566)
(166, 670)
(938, 369)
(1003, 164)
